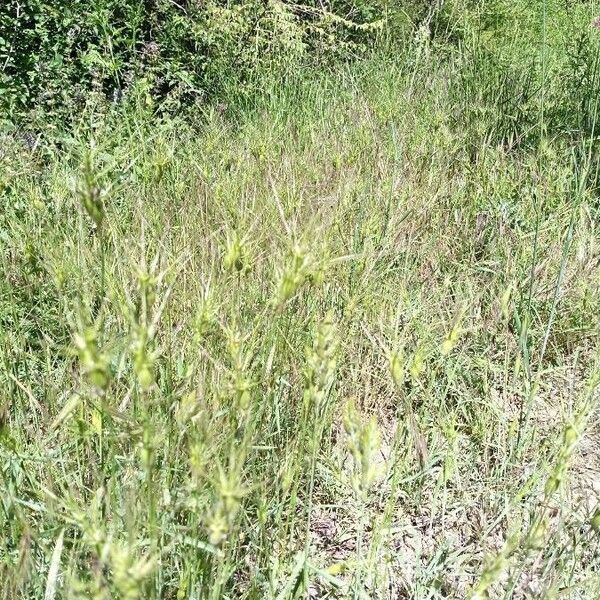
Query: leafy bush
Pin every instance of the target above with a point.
(54, 54)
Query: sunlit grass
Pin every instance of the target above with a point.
(340, 344)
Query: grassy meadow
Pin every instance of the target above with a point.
(338, 341)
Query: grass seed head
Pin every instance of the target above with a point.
(417, 364)
(321, 364)
(450, 341)
(229, 493)
(90, 190)
(94, 363)
(236, 254)
(128, 573)
(396, 363)
(493, 569)
(559, 472)
(364, 442)
(206, 317)
(143, 359)
(293, 276)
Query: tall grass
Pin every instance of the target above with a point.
(341, 343)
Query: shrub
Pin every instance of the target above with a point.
(56, 54)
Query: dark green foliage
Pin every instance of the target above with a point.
(56, 55)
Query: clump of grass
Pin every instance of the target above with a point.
(182, 328)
